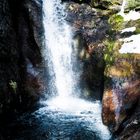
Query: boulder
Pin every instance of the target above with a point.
(131, 126)
(120, 104)
(121, 92)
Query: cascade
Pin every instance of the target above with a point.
(64, 76)
(58, 52)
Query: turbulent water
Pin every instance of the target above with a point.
(64, 116)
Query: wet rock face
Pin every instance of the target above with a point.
(9, 57)
(120, 111)
(100, 4)
(20, 42)
(132, 126)
(119, 102)
(121, 92)
(90, 29)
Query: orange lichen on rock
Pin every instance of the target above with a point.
(108, 110)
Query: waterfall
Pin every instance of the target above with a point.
(58, 51)
(64, 76)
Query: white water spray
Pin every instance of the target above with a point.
(61, 63)
(58, 51)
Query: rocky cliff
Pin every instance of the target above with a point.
(20, 50)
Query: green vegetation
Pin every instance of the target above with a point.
(116, 21)
(109, 52)
(133, 4)
(13, 85)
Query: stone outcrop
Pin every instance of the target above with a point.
(132, 5)
(121, 92)
(20, 44)
(101, 4)
(89, 28)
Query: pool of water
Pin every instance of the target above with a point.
(51, 122)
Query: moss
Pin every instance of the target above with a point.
(116, 22)
(137, 31)
(136, 24)
(133, 4)
(117, 65)
(13, 85)
(109, 54)
(125, 65)
(104, 4)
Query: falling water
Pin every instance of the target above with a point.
(58, 52)
(66, 111)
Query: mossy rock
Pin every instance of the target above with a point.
(132, 5)
(116, 21)
(105, 4)
(125, 66)
(134, 23)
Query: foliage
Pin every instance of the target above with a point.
(109, 52)
(116, 21)
(13, 85)
(132, 4)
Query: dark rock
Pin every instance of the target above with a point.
(20, 43)
(131, 126)
(89, 29)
